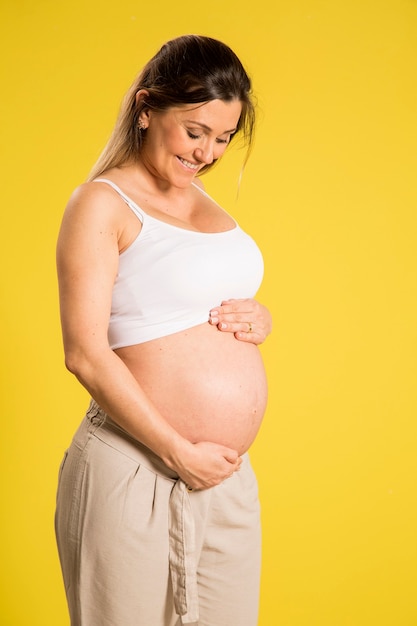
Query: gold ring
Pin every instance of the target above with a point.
(250, 327)
(189, 488)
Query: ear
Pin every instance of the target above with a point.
(141, 95)
(140, 103)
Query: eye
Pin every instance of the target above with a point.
(226, 140)
(192, 135)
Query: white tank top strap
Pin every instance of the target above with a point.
(132, 205)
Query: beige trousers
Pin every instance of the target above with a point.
(137, 549)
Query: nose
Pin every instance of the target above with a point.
(205, 152)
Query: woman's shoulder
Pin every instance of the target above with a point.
(91, 200)
(91, 193)
(97, 212)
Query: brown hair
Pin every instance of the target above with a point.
(191, 69)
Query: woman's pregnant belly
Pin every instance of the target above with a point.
(208, 385)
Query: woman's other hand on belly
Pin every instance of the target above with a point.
(205, 464)
(247, 319)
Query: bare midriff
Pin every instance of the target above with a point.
(207, 384)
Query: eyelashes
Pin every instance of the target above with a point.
(193, 136)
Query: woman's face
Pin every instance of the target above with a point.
(182, 140)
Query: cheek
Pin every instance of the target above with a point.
(176, 144)
(219, 150)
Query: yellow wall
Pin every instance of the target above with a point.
(329, 193)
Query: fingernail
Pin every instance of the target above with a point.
(214, 320)
(223, 325)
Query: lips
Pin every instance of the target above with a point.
(191, 166)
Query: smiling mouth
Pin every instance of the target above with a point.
(189, 165)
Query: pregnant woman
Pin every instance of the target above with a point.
(157, 517)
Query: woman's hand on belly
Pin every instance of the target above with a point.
(204, 464)
(247, 319)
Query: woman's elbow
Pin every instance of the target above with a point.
(86, 359)
(80, 362)
(73, 362)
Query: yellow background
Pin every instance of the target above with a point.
(330, 195)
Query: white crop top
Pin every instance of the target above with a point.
(170, 277)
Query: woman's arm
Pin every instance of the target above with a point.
(87, 262)
(248, 319)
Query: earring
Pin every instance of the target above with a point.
(141, 126)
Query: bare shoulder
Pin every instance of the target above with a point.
(93, 216)
(94, 199)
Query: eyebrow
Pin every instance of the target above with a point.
(207, 128)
